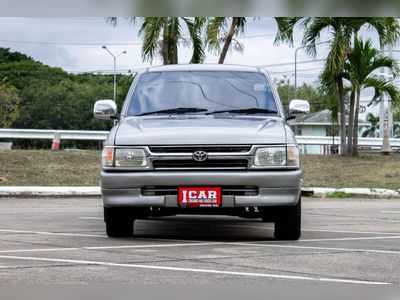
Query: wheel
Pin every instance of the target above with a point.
(119, 223)
(288, 222)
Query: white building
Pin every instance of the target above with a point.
(317, 124)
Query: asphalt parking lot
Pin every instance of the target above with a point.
(63, 241)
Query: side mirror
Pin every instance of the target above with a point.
(105, 110)
(298, 106)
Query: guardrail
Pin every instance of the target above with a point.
(48, 134)
(325, 144)
(328, 140)
(101, 136)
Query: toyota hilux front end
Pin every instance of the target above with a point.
(200, 139)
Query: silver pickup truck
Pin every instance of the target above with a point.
(201, 139)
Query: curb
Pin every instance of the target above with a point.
(355, 191)
(6, 191)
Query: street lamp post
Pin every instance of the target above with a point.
(295, 65)
(115, 69)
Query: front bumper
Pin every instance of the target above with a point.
(280, 187)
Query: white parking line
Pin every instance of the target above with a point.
(262, 226)
(352, 238)
(113, 247)
(390, 212)
(326, 230)
(272, 244)
(350, 231)
(209, 271)
(155, 246)
(318, 248)
(52, 233)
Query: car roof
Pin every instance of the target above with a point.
(202, 67)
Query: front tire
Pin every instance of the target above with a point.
(118, 221)
(288, 222)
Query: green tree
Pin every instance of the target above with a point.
(222, 31)
(307, 92)
(163, 35)
(341, 30)
(360, 69)
(51, 98)
(7, 56)
(9, 101)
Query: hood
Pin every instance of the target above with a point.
(205, 130)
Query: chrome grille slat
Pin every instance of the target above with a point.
(210, 149)
(219, 157)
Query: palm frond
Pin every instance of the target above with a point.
(150, 30)
(112, 20)
(237, 46)
(195, 28)
(383, 87)
(337, 55)
(312, 32)
(215, 26)
(174, 36)
(241, 24)
(388, 29)
(285, 31)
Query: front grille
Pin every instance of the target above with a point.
(226, 190)
(208, 164)
(191, 149)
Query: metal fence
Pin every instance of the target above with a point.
(308, 144)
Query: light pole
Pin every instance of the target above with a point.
(115, 67)
(295, 65)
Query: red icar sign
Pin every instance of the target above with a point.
(199, 197)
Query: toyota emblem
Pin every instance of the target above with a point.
(200, 155)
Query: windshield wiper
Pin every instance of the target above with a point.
(254, 110)
(178, 110)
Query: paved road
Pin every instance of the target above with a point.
(63, 241)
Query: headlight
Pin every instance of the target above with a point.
(274, 156)
(123, 157)
(277, 156)
(130, 158)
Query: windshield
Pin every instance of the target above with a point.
(201, 92)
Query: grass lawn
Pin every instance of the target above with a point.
(41, 167)
(82, 168)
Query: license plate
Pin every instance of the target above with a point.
(199, 197)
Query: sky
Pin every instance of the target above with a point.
(47, 40)
(75, 45)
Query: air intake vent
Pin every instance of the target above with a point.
(208, 164)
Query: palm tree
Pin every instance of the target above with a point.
(163, 35)
(372, 129)
(360, 69)
(218, 33)
(341, 31)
